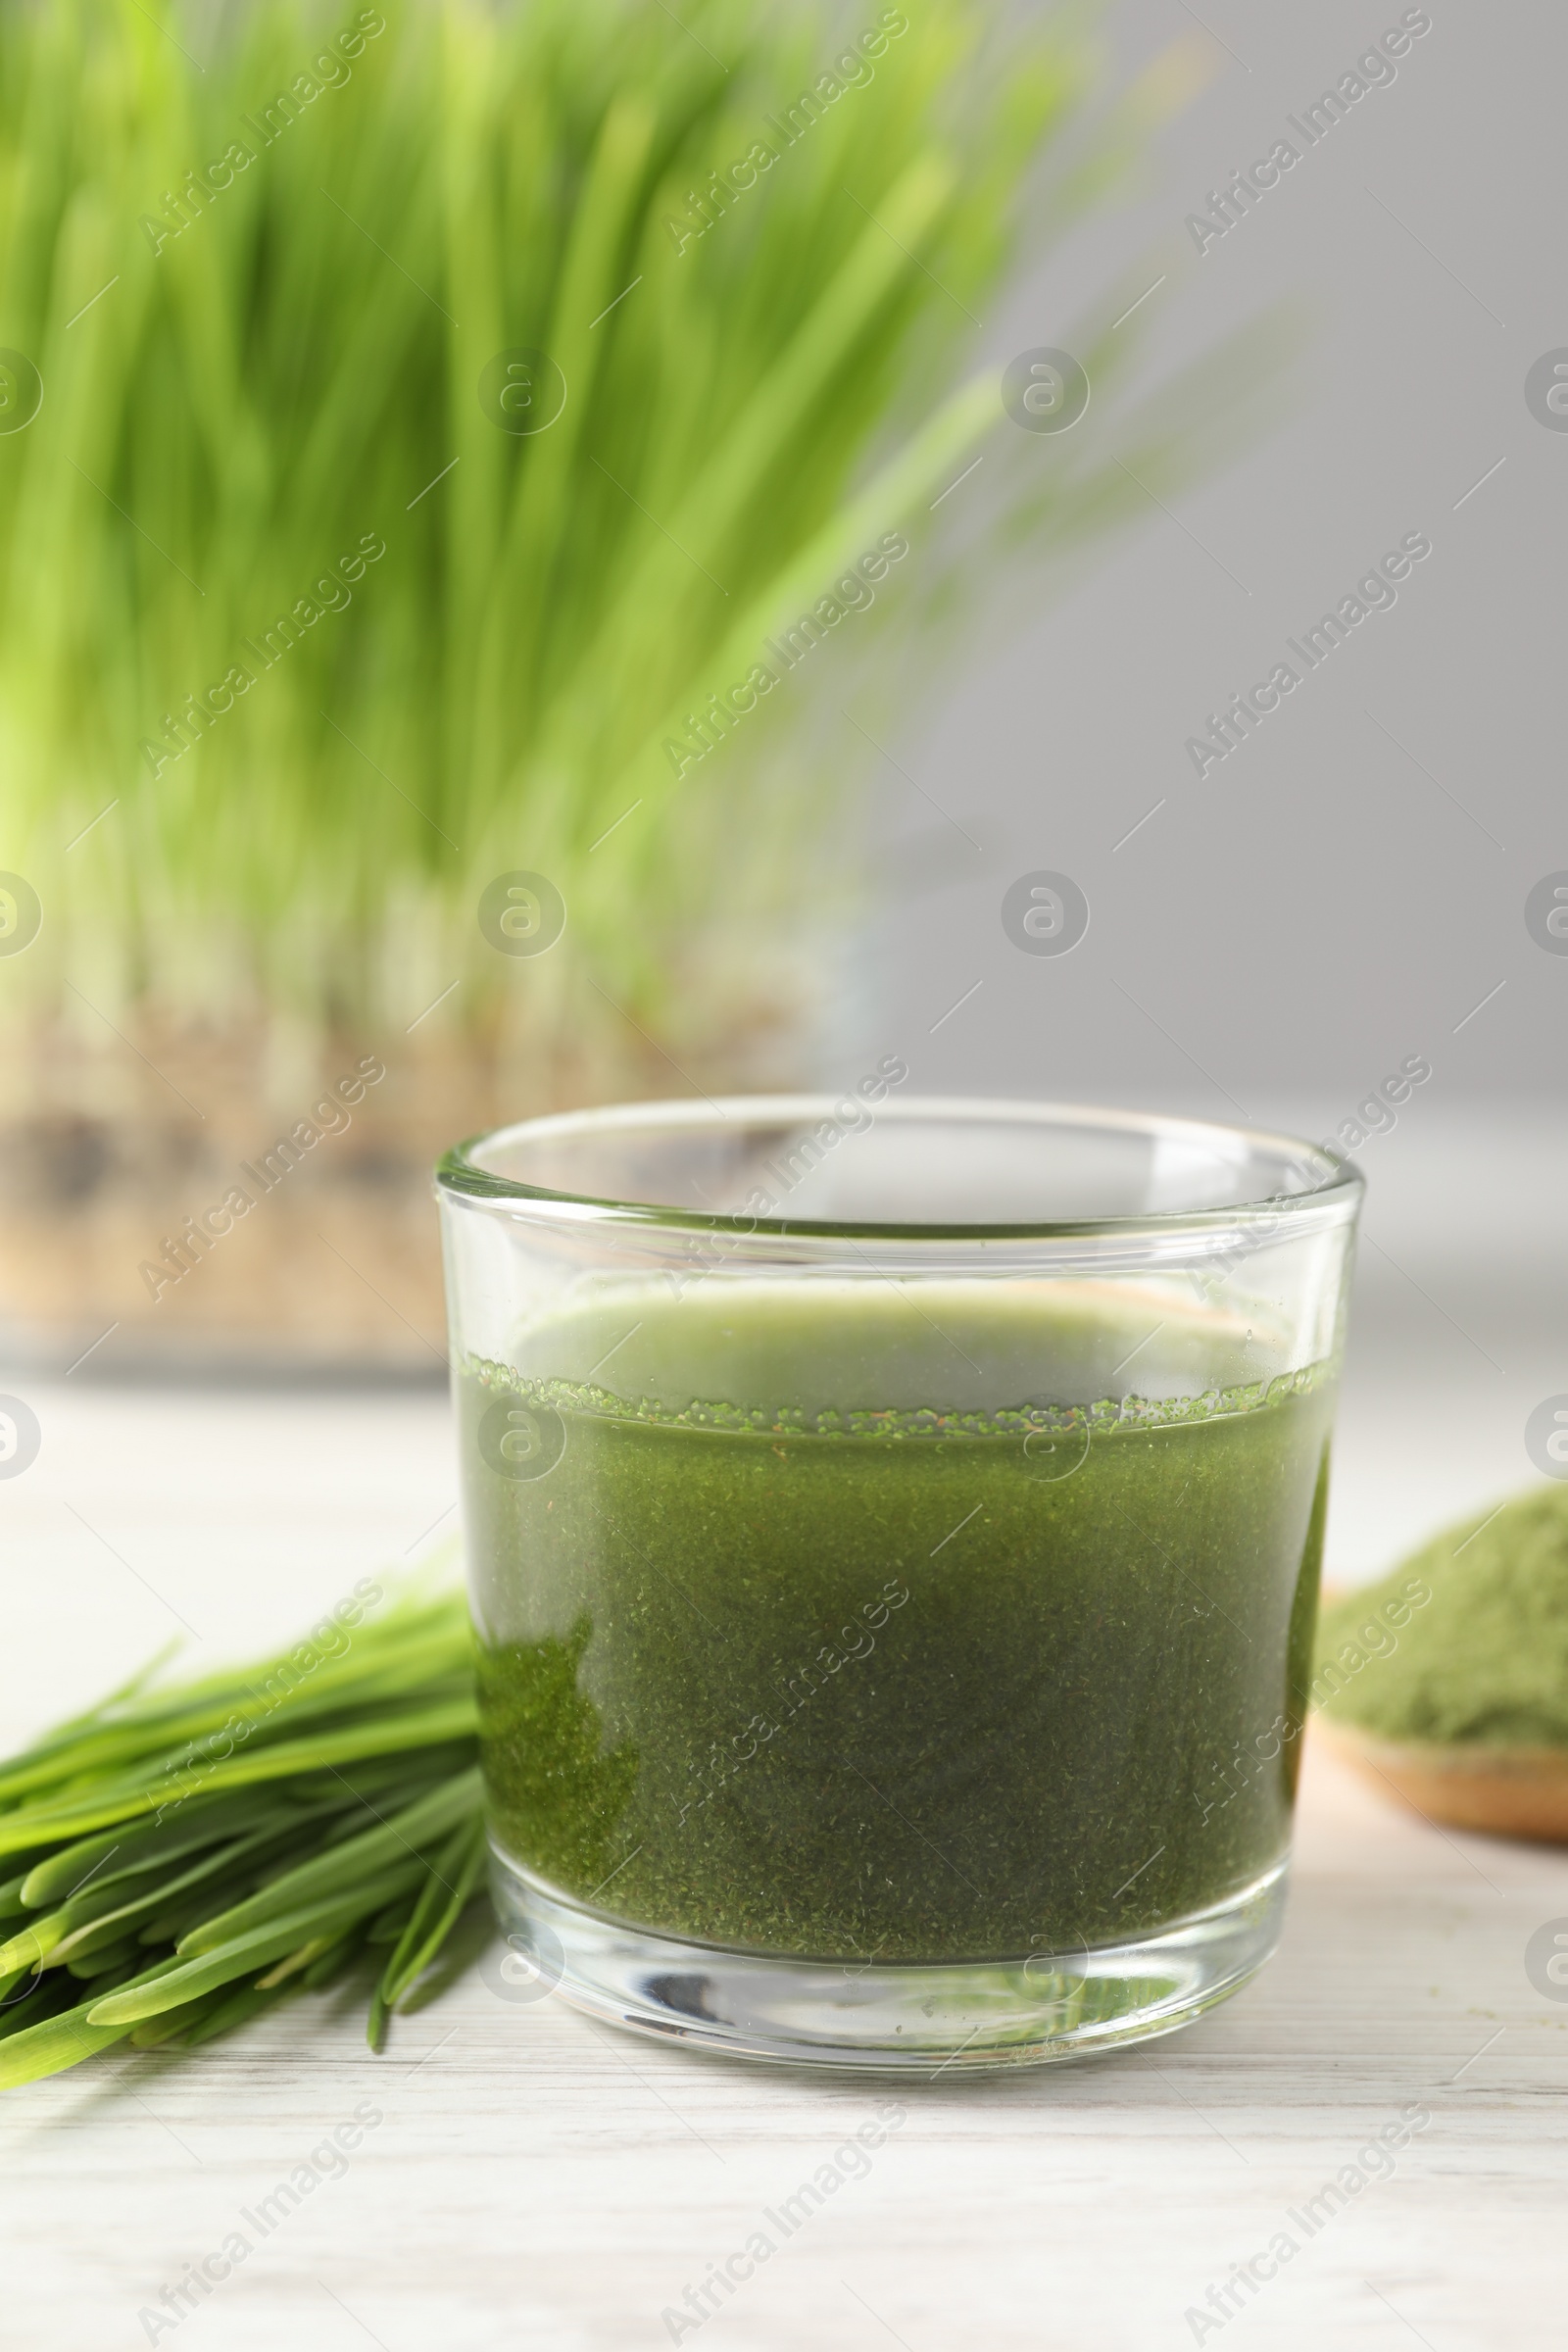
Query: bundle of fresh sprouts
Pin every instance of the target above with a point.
(186, 1855)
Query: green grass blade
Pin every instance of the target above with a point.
(103, 1960)
(392, 1734)
(333, 1962)
(62, 2041)
(260, 1706)
(11, 1900)
(448, 1896)
(175, 2023)
(246, 1857)
(120, 1854)
(236, 2009)
(360, 1859)
(46, 1999)
(247, 1954)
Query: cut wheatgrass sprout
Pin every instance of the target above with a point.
(193, 1854)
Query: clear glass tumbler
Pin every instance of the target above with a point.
(894, 1532)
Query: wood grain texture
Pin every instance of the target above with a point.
(1516, 1791)
(537, 2181)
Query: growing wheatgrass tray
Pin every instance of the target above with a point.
(188, 1853)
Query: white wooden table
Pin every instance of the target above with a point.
(537, 2181)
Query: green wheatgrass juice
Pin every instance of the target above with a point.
(924, 1622)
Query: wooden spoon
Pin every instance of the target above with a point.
(1512, 1791)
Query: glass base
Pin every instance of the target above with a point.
(934, 2017)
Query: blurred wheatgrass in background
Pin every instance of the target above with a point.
(303, 642)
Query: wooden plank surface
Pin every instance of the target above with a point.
(535, 2179)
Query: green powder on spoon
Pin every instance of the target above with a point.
(1467, 1640)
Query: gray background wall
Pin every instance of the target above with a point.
(1325, 902)
(1318, 903)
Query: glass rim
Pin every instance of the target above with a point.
(460, 1174)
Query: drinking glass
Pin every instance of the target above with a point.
(894, 1530)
